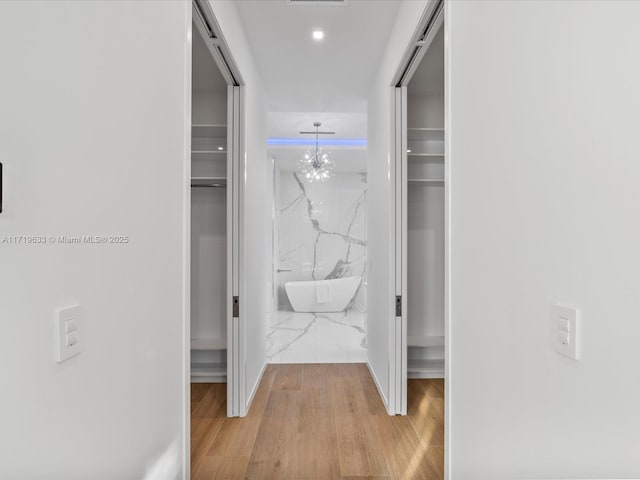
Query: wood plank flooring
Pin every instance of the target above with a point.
(318, 421)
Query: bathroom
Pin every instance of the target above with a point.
(319, 238)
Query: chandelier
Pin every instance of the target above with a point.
(317, 166)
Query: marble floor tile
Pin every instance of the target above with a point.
(317, 337)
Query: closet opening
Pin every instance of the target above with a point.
(426, 214)
(421, 222)
(213, 231)
(320, 238)
(425, 236)
(208, 217)
(215, 378)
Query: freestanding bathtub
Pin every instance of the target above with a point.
(322, 295)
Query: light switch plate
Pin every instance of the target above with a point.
(68, 332)
(564, 331)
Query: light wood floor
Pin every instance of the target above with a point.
(318, 421)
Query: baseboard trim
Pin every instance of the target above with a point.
(385, 401)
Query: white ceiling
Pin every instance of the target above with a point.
(289, 124)
(328, 81)
(303, 75)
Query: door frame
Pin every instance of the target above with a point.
(434, 17)
(208, 27)
(186, 249)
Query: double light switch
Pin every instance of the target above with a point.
(564, 331)
(68, 322)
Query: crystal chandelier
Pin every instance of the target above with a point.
(317, 166)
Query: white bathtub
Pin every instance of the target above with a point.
(334, 295)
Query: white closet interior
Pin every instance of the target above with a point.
(208, 217)
(426, 215)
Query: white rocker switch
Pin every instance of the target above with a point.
(563, 324)
(71, 326)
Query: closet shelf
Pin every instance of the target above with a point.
(208, 344)
(208, 152)
(432, 155)
(425, 134)
(425, 368)
(208, 130)
(421, 181)
(208, 181)
(425, 341)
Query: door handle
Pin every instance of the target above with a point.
(282, 270)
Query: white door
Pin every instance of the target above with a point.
(386, 326)
(235, 353)
(241, 365)
(398, 382)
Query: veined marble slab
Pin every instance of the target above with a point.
(321, 230)
(318, 337)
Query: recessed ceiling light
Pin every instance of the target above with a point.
(318, 34)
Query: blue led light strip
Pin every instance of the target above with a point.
(334, 142)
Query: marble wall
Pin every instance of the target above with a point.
(321, 230)
(320, 234)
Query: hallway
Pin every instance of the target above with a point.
(320, 421)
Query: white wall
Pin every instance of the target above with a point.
(379, 225)
(426, 260)
(208, 263)
(209, 106)
(543, 125)
(424, 110)
(92, 137)
(258, 195)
